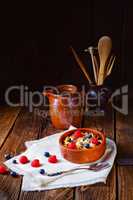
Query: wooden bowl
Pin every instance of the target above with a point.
(83, 155)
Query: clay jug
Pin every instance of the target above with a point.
(65, 106)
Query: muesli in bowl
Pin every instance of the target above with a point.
(83, 145)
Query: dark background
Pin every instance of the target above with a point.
(35, 40)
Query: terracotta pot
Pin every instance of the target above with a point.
(65, 106)
(85, 155)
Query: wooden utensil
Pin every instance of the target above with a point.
(104, 49)
(81, 65)
(111, 66)
(109, 63)
(91, 51)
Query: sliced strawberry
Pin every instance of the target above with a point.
(94, 141)
(77, 134)
(72, 145)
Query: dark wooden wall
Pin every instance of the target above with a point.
(35, 40)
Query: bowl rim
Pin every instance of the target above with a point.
(81, 150)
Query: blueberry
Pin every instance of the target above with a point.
(47, 154)
(88, 136)
(87, 146)
(8, 156)
(42, 171)
(14, 174)
(14, 162)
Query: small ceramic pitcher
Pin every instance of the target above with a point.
(65, 106)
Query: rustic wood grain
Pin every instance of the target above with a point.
(100, 191)
(59, 194)
(124, 136)
(27, 127)
(8, 116)
(125, 182)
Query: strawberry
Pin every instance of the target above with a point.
(3, 170)
(23, 160)
(72, 145)
(94, 141)
(35, 163)
(52, 159)
(77, 134)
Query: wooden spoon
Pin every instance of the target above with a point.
(104, 49)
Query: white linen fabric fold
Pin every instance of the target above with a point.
(34, 181)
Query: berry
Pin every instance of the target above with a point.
(77, 134)
(35, 163)
(47, 154)
(52, 159)
(8, 156)
(3, 170)
(95, 141)
(42, 171)
(14, 174)
(72, 145)
(86, 146)
(14, 162)
(23, 160)
(88, 136)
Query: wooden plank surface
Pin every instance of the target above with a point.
(100, 191)
(8, 116)
(124, 136)
(59, 194)
(27, 127)
(125, 182)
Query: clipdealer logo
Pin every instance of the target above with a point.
(123, 93)
(27, 98)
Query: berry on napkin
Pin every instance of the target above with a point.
(23, 160)
(35, 163)
(52, 159)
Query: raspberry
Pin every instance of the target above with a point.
(35, 163)
(23, 160)
(77, 134)
(72, 145)
(3, 170)
(52, 159)
(95, 141)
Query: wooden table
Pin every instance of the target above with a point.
(17, 125)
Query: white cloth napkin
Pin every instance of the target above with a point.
(34, 181)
